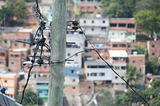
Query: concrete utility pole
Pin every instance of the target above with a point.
(58, 52)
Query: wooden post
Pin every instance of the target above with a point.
(58, 52)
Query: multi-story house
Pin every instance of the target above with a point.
(118, 59)
(98, 71)
(3, 58)
(138, 60)
(42, 88)
(88, 6)
(17, 54)
(97, 27)
(122, 28)
(11, 34)
(101, 45)
(153, 48)
(9, 81)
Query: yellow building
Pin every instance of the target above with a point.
(9, 81)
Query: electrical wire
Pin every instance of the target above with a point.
(26, 83)
(112, 68)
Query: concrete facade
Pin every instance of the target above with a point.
(97, 27)
(9, 81)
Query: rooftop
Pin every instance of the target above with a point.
(31, 81)
(118, 53)
(120, 40)
(19, 50)
(42, 80)
(97, 62)
(8, 74)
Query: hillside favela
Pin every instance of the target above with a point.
(79, 52)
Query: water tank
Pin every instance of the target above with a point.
(135, 53)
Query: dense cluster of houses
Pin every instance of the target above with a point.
(113, 38)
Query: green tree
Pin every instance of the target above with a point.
(107, 99)
(148, 21)
(152, 5)
(119, 8)
(132, 74)
(27, 95)
(127, 98)
(152, 65)
(13, 8)
(152, 95)
(140, 49)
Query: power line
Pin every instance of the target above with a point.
(26, 83)
(113, 69)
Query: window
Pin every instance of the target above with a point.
(153, 54)
(73, 87)
(22, 54)
(116, 67)
(24, 45)
(34, 75)
(116, 77)
(103, 21)
(64, 87)
(1, 62)
(122, 45)
(73, 80)
(115, 58)
(45, 67)
(82, 7)
(92, 21)
(152, 46)
(5, 41)
(87, 74)
(92, 29)
(93, 74)
(88, 7)
(113, 24)
(5, 81)
(122, 25)
(12, 62)
(101, 74)
(72, 71)
(68, 54)
(123, 67)
(44, 75)
(88, 50)
(115, 45)
(84, 21)
(122, 59)
(133, 61)
(89, 87)
(15, 44)
(99, 50)
(131, 25)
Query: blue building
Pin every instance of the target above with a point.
(72, 71)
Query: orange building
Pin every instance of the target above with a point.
(9, 81)
(138, 60)
(3, 58)
(153, 48)
(17, 54)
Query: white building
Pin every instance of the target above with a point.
(95, 26)
(97, 71)
(118, 60)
